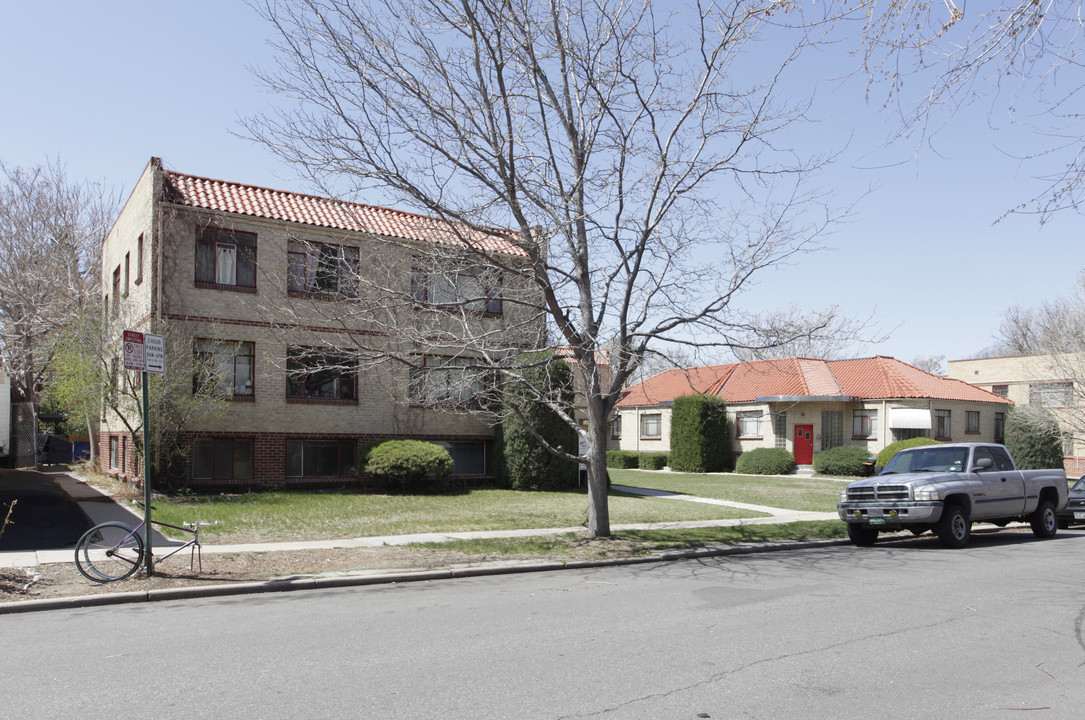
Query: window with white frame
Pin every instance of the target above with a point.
(322, 269)
(651, 425)
(616, 428)
(748, 423)
(225, 258)
(864, 423)
(228, 364)
(442, 380)
(473, 289)
(1054, 394)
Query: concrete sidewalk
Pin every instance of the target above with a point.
(99, 507)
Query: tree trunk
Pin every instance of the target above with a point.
(598, 508)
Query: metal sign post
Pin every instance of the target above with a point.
(146, 353)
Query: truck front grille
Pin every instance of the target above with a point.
(881, 492)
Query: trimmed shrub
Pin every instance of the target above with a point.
(892, 449)
(700, 435)
(524, 464)
(415, 464)
(1033, 438)
(652, 461)
(622, 459)
(845, 460)
(765, 461)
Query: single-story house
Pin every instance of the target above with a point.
(807, 405)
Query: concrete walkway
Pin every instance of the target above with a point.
(99, 507)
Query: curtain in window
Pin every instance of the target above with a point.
(226, 265)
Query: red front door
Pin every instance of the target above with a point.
(804, 444)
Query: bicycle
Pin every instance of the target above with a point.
(113, 550)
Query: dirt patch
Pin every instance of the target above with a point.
(55, 580)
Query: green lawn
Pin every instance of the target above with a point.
(274, 516)
(794, 493)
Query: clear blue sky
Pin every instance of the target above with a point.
(104, 86)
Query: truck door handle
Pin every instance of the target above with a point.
(1003, 479)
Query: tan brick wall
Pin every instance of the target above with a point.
(381, 410)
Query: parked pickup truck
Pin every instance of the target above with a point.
(945, 488)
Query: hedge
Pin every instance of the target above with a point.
(765, 461)
(845, 460)
(892, 449)
(700, 435)
(623, 459)
(652, 461)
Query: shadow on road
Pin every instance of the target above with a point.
(44, 518)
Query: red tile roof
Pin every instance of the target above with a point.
(259, 202)
(876, 378)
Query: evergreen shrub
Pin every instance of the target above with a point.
(765, 461)
(524, 464)
(652, 461)
(700, 435)
(1033, 438)
(892, 449)
(622, 459)
(415, 464)
(844, 461)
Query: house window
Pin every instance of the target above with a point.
(1000, 427)
(864, 424)
(779, 428)
(228, 365)
(1068, 444)
(225, 259)
(114, 451)
(139, 259)
(616, 428)
(320, 458)
(832, 428)
(1056, 394)
(942, 425)
(468, 458)
(449, 381)
(971, 422)
(322, 269)
(127, 271)
(748, 424)
(651, 425)
(1002, 390)
(475, 290)
(117, 290)
(222, 459)
(321, 375)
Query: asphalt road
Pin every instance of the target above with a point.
(901, 630)
(44, 517)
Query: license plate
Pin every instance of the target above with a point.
(881, 521)
(1079, 515)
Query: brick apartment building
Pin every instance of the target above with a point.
(267, 284)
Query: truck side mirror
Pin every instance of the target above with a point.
(983, 464)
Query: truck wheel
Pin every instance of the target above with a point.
(862, 536)
(1045, 522)
(954, 528)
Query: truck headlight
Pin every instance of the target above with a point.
(927, 494)
(844, 495)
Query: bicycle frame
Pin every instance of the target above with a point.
(126, 548)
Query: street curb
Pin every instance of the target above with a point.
(397, 577)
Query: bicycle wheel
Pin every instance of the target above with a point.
(110, 551)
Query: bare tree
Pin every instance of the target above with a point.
(1021, 57)
(638, 157)
(934, 364)
(51, 233)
